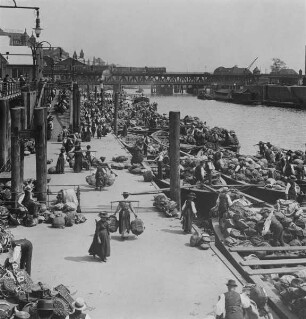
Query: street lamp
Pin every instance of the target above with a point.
(36, 48)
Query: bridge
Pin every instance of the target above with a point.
(174, 78)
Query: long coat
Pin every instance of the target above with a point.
(102, 247)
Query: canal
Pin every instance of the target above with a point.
(282, 127)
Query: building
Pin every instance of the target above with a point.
(15, 60)
(17, 38)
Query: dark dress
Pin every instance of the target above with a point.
(102, 248)
(60, 165)
(233, 307)
(187, 215)
(78, 159)
(100, 179)
(124, 209)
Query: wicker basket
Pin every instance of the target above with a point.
(61, 307)
(137, 226)
(113, 224)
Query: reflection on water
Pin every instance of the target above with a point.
(282, 127)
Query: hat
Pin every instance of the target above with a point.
(63, 148)
(102, 158)
(192, 195)
(292, 178)
(28, 187)
(103, 214)
(224, 190)
(231, 283)
(79, 304)
(22, 315)
(45, 304)
(269, 144)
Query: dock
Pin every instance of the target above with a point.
(155, 275)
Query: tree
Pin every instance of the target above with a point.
(82, 54)
(277, 65)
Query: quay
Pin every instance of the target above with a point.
(157, 275)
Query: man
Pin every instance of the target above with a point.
(292, 189)
(199, 172)
(209, 167)
(231, 303)
(79, 306)
(22, 248)
(276, 228)
(223, 202)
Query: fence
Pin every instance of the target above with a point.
(9, 88)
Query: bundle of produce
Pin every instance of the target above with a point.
(52, 170)
(118, 166)
(136, 169)
(120, 159)
(109, 179)
(113, 223)
(91, 179)
(165, 205)
(292, 289)
(137, 226)
(148, 175)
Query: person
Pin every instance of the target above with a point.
(124, 209)
(209, 167)
(223, 202)
(78, 307)
(262, 148)
(88, 157)
(6, 82)
(22, 81)
(292, 189)
(199, 172)
(124, 130)
(101, 242)
(26, 201)
(241, 167)
(65, 132)
(102, 169)
(188, 212)
(60, 165)
(231, 303)
(269, 154)
(271, 223)
(22, 248)
(99, 131)
(78, 157)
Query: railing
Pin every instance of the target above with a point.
(9, 88)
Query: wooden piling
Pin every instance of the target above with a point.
(116, 113)
(95, 93)
(174, 138)
(40, 120)
(22, 127)
(15, 152)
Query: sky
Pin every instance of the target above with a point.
(181, 35)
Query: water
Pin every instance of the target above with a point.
(282, 127)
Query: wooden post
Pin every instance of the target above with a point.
(174, 138)
(160, 170)
(40, 119)
(15, 152)
(95, 93)
(75, 108)
(22, 127)
(116, 113)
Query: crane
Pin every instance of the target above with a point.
(248, 68)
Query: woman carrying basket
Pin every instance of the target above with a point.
(124, 209)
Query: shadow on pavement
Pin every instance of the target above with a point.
(119, 238)
(81, 259)
(178, 232)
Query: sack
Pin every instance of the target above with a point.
(259, 296)
(195, 240)
(137, 226)
(58, 222)
(52, 170)
(113, 223)
(69, 219)
(79, 218)
(148, 176)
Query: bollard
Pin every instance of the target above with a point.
(174, 139)
(40, 126)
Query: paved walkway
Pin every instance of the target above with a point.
(157, 275)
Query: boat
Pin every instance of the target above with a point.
(261, 192)
(223, 95)
(246, 97)
(205, 200)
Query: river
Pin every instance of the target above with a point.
(279, 126)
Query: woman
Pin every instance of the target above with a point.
(101, 242)
(60, 165)
(124, 209)
(188, 212)
(78, 157)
